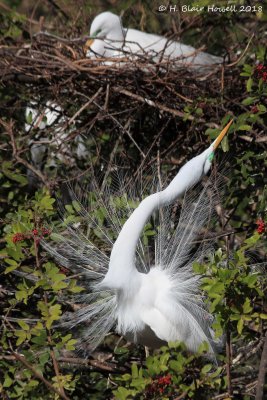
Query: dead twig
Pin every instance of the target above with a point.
(73, 118)
(152, 103)
(242, 55)
(9, 129)
(262, 371)
(23, 360)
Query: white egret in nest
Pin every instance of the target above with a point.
(110, 39)
(148, 305)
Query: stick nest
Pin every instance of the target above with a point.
(141, 106)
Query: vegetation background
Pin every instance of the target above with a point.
(103, 119)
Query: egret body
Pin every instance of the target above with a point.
(110, 39)
(158, 304)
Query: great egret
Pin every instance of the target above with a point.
(47, 122)
(110, 39)
(40, 120)
(148, 305)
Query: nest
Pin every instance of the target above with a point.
(130, 105)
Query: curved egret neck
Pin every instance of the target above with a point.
(122, 272)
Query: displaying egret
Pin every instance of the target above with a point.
(110, 39)
(148, 305)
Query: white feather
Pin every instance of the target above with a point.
(149, 305)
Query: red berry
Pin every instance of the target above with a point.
(261, 226)
(18, 237)
(254, 109)
(261, 72)
(46, 231)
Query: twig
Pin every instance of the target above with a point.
(250, 139)
(152, 145)
(228, 333)
(228, 363)
(61, 39)
(23, 360)
(99, 365)
(122, 128)
(49, 339)
(72, 119)
(262, 371)
(152, 103)
(59, 9)
(112, 155)
(8, 9)
(246, 352)
(242, 55)
(181, 397)
(9, 128)
(207, 239)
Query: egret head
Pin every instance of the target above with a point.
(105, 26)
(214, 146)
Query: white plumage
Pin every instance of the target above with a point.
(47, 122)
(149, 304)
(110, 39)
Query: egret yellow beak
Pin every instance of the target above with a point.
(88, 44)
(221, 135)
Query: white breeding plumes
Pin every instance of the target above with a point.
(148, 304)
(110, 39)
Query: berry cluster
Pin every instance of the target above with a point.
(261, 226)
(18, 237)
(158, 386)
(254, 109)
(35, 234)
(261, 72)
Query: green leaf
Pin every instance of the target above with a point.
(121, 393)
(40, 339)
(134, 370)
(249, 84)
(240, 325)
(206, 368)
(248, 101)
(247, 307)
(24, 325)
(121, 350)
(8, 381)
(252, 240)
(225, 144)
(216, 289)
(8, 171)
(70, 345)
(244, 127)
(13, 265)
(250, 280)
(21, 335)
(248, 68)
(46, 203)
(44, 358)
